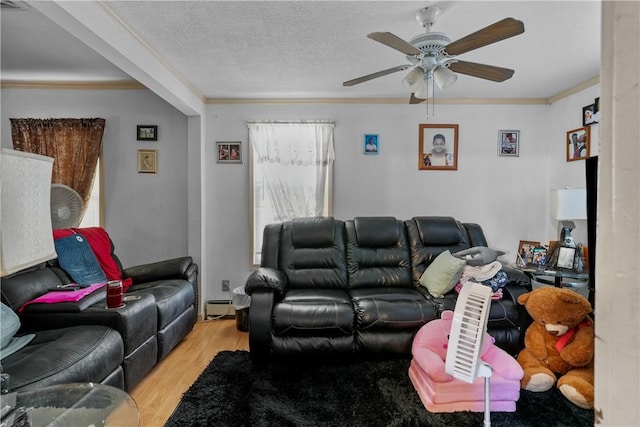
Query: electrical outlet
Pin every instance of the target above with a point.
(225, 286)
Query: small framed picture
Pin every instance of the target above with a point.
(438, 147)
(147, 161)
(147, 133)
(539, 256)
(524, 256)
(589, 115)
(509, 143)
(229, 152)
(578, 144)
(566, 256)
(371, 144)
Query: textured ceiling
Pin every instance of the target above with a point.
(291, 49)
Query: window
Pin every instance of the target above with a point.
(92, 214)
(292, 171)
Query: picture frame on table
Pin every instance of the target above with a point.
(147, 133)
(578, 144)
(509, 143)
(566, 256)
(539, 256)
(438, 147)
(371, 144)
(524, 256)
(147, 161)
(229, 152)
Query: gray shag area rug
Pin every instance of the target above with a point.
(235, 391)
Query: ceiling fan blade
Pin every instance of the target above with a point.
(414, 100)
(501, 30)
(375, 75)
(483, 71)
(394, 42)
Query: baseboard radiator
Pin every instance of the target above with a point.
(218, 309)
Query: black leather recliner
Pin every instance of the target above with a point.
(327, 286)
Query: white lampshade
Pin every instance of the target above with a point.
(26, 237)
(444, 77)
(426, 90)
(414, 80)
(569, 204)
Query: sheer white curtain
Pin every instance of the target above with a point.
(292, 167)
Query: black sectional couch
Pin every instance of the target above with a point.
(327, 286)
(85, 341)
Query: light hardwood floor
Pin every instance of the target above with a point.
(160, 391)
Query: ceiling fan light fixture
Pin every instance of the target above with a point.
(426, 90)
(414, 80)
(444, 77)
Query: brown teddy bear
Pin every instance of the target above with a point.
(560, 341)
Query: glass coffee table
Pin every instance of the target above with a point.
(72, 405)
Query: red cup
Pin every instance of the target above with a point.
(114, 294)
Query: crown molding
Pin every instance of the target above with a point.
(573, 90)
(134, 85)
(72, 85)
(458, 101)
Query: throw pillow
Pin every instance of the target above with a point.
(9, 325)
(443, 274)
(479, 255)
(77, 259)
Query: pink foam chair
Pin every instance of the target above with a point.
(441, 392)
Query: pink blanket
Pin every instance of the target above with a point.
(63, 296)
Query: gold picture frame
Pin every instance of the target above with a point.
(147, 161)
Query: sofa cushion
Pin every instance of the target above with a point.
(172, 298)
(68, 355)
(378, 253)
(313, 312)
(312, 232)
(391, 309)
(439, 231)
(313, 261)
(377, 232)
(443, 274)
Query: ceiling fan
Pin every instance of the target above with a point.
(432, 56)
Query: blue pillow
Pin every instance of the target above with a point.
(77, 259)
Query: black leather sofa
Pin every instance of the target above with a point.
(113, 346)
(327, 286)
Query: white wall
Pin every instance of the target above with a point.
(146, 214)
(566, 115)
(507, 196)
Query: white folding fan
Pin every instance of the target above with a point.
(465, 339)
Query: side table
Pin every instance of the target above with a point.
(70, 405)
(558, 278)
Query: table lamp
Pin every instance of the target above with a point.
(567, 205)
(26, 237)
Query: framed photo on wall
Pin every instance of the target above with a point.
(578, 144)
(509, 143)
(147, 133)
(229, 152)
(371, 144)
(147, 161)
(438, 147)
(589, 115)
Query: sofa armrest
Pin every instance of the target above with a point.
(266, 278)
(177, 268)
